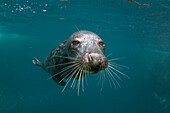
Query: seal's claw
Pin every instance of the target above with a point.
(36, 62)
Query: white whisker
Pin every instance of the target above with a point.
(99, 77)
(75, 77)
(62, 64)
(115, 73)
(86, 78)
(66, 68)
(114, 66)
(118, 65)
(114, 59)
(83, 81)
(113, 77)
(69, 73)
(86, 75)
(108, 55)
(78, 84)
(108, 80)
(83, 78)
(77, 28)
(102, 81)
(66, 57)
(70, 78)
(97, 28)
(120, 72)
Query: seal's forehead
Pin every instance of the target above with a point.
(85, 35)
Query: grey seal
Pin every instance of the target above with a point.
(82, 53)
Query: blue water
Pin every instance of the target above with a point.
(140, 35)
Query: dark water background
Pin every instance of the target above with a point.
(140, 34)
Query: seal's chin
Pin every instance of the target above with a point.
(90, 68)
(95, 68)
(92, 72)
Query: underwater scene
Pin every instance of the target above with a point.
(84, 56)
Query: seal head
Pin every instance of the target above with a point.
(88, 50)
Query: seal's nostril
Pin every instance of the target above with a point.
(90, 58)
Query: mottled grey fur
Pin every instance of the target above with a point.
(88, 53)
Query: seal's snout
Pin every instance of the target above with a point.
(94, 59)
(94, 62)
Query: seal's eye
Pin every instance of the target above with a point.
(75, 43)
(101, 43)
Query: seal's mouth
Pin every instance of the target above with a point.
(93, 63)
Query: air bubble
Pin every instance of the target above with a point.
(44, 10)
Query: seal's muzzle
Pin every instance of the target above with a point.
(93, 62)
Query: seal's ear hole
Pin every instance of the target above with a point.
(75, 43)
(101, 43)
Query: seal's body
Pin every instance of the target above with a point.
(82, 52)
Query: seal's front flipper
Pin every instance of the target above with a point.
(36, 62)
(59, 81)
